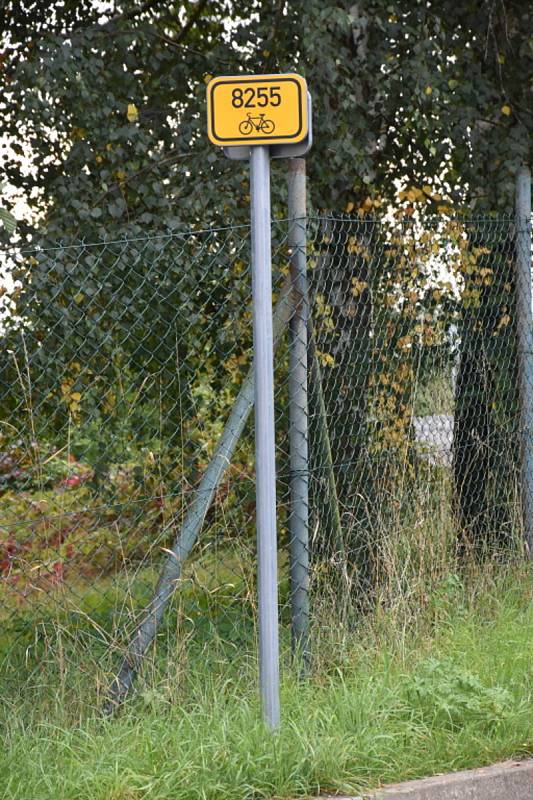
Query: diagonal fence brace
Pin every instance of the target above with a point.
(190, 529)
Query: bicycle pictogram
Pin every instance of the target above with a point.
(259, 124)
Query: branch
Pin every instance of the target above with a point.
(191, 21)
(147, 31)
(147, 6)
(132, 14)
(272, 36)
(172, 42)
(148, 168)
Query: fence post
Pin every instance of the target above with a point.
(265, 465)
(525, 345)
(298, 416)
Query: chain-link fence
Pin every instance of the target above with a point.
(127, 443)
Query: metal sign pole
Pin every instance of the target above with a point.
(265, 466)
(525, 343)
(262, 117)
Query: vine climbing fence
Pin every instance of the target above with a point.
(127, 438)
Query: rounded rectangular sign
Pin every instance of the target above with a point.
(257, 109)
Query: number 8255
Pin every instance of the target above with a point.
(250, 97)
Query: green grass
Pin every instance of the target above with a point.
(403, 695)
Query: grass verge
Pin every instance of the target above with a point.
(389, 701)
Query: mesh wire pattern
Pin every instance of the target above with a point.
(122, 364)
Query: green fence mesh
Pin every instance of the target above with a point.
(121, 364)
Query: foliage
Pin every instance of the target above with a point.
(60, 536)
(455, 696)
(133, 352)
(111, 107)
(8, 221)
(375, 710)
(110, 110)
(398, 303)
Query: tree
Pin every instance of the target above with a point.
(110, 111)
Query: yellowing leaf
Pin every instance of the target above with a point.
(404, 341)
(109, 402)
(132, 113)
(414, 194)
(506, 110)
(208, 78)
(358, 287)
(326, 359)
(349, 207)
(428, 90)
(76, 396)
(505, 320)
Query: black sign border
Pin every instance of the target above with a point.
(267, 79)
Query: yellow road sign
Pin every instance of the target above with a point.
(257, 109)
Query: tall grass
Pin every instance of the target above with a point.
(434, 675)
(400, 695)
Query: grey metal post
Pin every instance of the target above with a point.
(298, 417)
(525, 344)
(265, 467)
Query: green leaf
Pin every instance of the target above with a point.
(8, 220)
